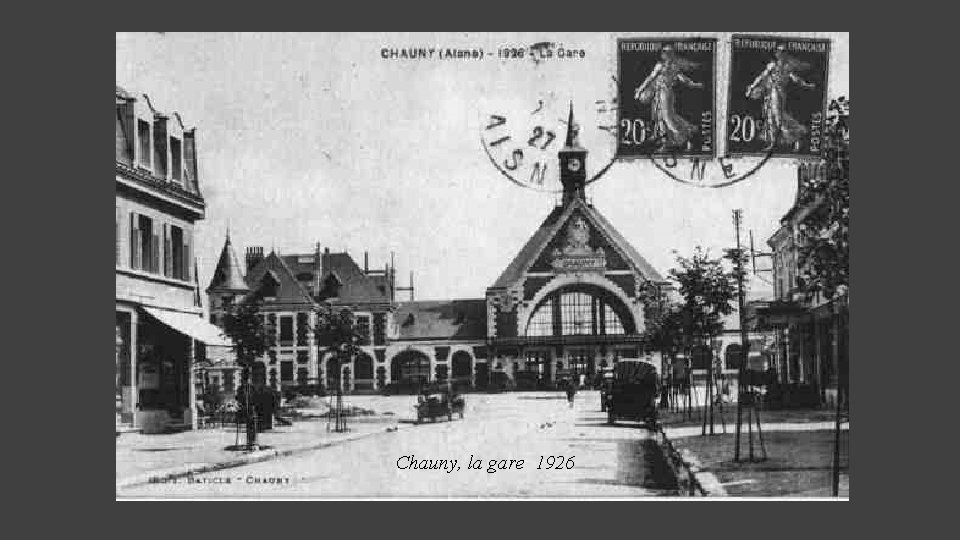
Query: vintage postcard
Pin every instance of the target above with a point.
(482, 265)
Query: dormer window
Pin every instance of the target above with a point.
(331, 286)
(143, 137)
(160, 150)
(176, 160)
(269, 285)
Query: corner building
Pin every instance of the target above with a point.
(159, 318)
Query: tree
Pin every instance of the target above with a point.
(337, 334)
(707, 291)
(824, 251)
(824, 248)
(664, 334)
(244, 325)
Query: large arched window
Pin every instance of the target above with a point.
(577, 312)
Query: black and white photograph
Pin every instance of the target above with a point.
(463, 266)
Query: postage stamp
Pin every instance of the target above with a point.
(777, 95)
(666, 97)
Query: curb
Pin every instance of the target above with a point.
(691, 480)
(246, 459)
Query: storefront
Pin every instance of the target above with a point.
(154, 366)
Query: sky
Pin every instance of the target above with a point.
(307, 138)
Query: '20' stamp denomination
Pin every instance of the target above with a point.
(665, 98)
(777, 95)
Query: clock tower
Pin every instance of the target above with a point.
(573, 163)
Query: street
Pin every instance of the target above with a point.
(498, 431)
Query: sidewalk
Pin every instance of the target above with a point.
(799, 447)
(141, 458)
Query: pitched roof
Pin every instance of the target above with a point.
(528, 253)
(341, 263)
(365, 289)
(355, 285)
(552, 225)
(228, 275)
(289, 290)
(301, 264)
(635, 257)
(444, 319)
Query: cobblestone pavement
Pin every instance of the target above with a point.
(603, 461)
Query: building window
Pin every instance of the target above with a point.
(379, 328)
(303, 330)
(286, 371)
(143, 135)
(145, 254)
(303, 357)
(159, 151)
(269, 285)
(363, 329)
(176, 167)
(541, 324)
(576, 314)
(286, 330)
(175, 246)
(228, 381)
(611, 321)
(302, 376)
(117, 260)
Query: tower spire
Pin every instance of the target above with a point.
(571, 141)
(573, 158)
(228, 275)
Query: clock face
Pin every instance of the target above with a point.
(522, 136)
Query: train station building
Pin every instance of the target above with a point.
(573, 300)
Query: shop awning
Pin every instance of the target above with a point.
(191, 325)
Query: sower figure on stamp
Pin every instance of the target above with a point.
(771, 85)
(670, 128)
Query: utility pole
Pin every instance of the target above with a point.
(742, 396)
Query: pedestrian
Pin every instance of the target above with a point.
(571, 392)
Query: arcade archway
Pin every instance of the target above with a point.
(410, 367)
(580, 310)
(363, 372)
(462, 367)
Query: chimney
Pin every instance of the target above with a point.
(254, 256)
(366, 262)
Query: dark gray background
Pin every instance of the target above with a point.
(62, 293)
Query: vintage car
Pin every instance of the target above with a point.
(435, 404)
(632, 393)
